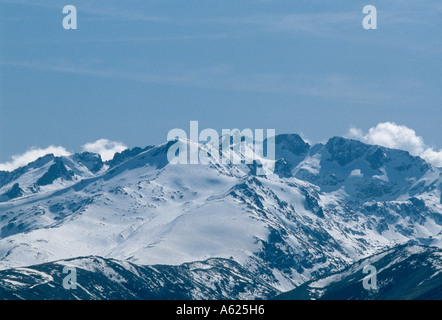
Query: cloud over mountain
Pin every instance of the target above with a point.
(392, 135)
(32, 154)
(105, 148)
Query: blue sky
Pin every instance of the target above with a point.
(135, 69)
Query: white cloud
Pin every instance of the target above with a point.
(105, 148)
(432, 156)
(391, 135)
(32, 155)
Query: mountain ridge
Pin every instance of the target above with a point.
(325, 207)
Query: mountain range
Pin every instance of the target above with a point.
(138, 227)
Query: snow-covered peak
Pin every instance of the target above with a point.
(323, 208)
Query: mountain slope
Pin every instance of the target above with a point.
(406, 272)
(107, 279)
(325, 207)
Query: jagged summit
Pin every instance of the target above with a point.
(293, 143)
(344, 151)
(320, 210)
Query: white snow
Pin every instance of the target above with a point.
(147, 213)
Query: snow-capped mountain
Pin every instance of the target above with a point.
(323, 208)
(48, 173)
(406, 272)
(108, 279)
